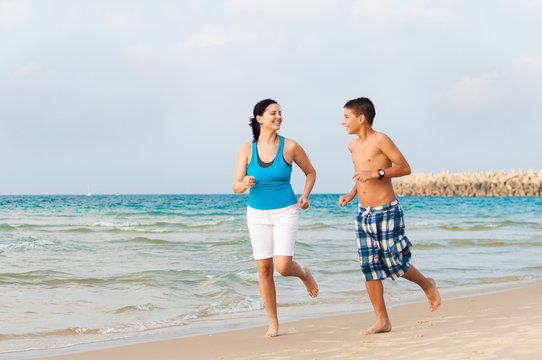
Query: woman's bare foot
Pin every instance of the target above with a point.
(433, 295)
(310, 283)
(273, 331)
(378, 328)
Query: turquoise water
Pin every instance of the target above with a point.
(80, 270)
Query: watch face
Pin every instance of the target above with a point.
(381, 172)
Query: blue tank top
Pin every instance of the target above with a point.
(272, 188)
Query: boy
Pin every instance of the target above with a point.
(384, 250)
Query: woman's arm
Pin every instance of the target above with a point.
(302, 160)
(241, 182)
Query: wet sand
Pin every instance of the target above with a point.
(505, 325)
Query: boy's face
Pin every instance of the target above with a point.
(350, 121)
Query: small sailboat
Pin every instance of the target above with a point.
(88, 191)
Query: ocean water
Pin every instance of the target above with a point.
(78, 270)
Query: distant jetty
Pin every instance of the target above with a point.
(492, 183)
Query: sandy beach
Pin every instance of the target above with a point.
(505, 325)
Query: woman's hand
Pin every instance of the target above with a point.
(302, 160)
(303, 203)
(248, 182)
(241, 181)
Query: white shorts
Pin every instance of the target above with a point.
(273, 232)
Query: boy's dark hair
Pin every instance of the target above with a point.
(363, 106)
(259, 109)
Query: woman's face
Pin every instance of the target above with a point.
(271, 118)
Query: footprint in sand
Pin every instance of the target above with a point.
(423, 322)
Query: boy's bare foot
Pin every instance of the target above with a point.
(310, 283)
(273, 331)
(433, 295)
(378, 328)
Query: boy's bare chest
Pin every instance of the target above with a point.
(367, 156)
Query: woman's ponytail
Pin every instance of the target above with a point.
(259, 109)
(255, 128)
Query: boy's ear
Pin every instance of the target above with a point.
(361, 119)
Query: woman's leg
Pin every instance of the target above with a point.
(284, 236)
(269, 295)
(287, 267)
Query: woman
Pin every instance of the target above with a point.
(264, 166)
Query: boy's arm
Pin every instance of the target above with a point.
(345, 199)
(399, 166)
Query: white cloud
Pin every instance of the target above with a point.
(124, 20)
(211, 36)
(396, 12)
(26, 71)
(534, 4)
(527, 68)
(283, 8)
(521, 80)
(475, 89)
(13, 13)
(527, 7)
(33, 74)
(142, 56)
(71, 20)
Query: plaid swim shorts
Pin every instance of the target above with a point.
(383, 248)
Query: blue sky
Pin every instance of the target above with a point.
(155, 96)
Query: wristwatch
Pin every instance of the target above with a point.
(381, 173)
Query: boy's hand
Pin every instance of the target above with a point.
(364, 175)
(303, 203)
(345, 199)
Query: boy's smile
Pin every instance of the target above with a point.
(350, 121)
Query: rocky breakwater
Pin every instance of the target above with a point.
(492, 183)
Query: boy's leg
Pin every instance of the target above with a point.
(269, 295)
(287, 267)
(375, 289)
(428, 285)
